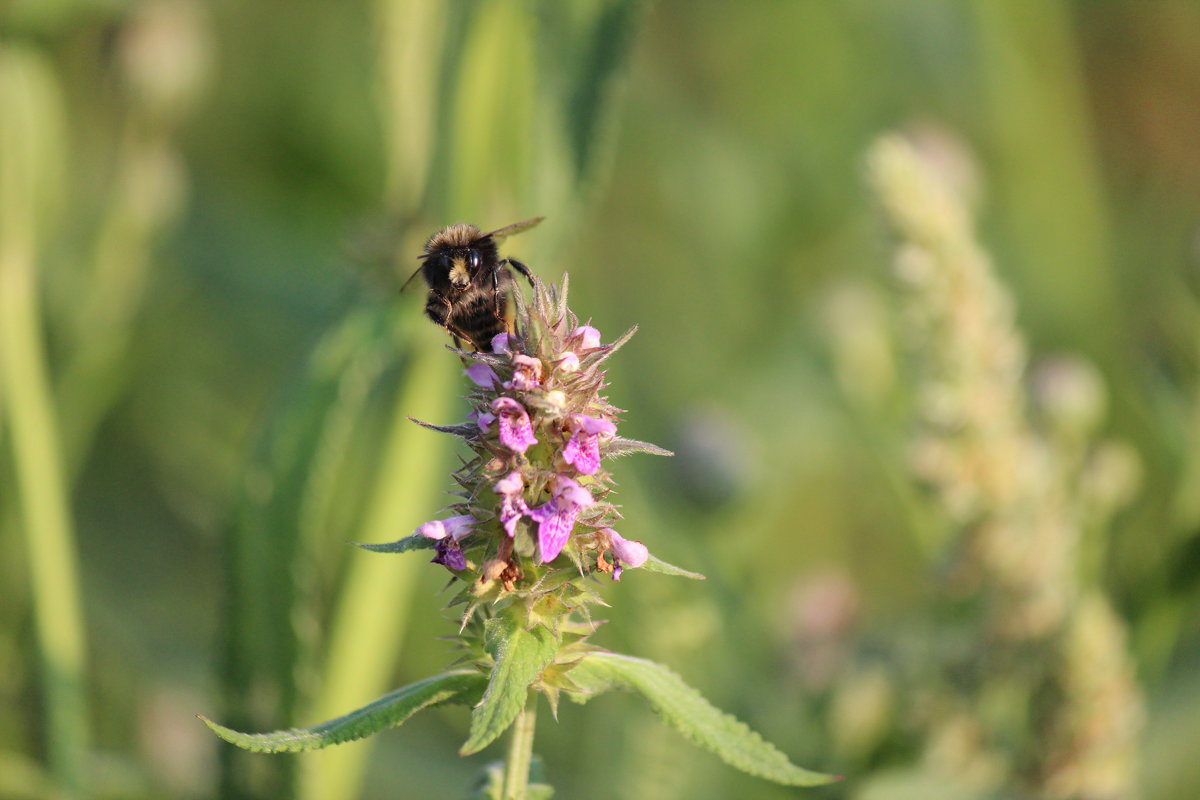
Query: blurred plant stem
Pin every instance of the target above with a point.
(520, 752)
(30, 151)
(145, 196)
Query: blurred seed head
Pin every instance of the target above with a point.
(946, 156)
(166, 55)
(1111, 479)
(1094, 737)
(1070, 394)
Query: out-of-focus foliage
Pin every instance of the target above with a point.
(205, 373)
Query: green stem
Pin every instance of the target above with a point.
(520, 752)
(32, 420)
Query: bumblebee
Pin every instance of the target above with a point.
(469, 282)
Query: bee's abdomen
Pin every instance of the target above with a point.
(477, 316)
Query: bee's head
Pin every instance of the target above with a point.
(458, 265)
(457, 253)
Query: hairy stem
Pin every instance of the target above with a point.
(520, 751)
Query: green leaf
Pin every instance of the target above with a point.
(414, 542)
(460, 686)
(520, 656)
(654, 564)
(682, 707)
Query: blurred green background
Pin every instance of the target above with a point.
(205, 370)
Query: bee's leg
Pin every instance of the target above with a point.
(438, 310)
(521, 268)
(498, 303)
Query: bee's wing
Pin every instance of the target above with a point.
(410, 279)
(509, 230)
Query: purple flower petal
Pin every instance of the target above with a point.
(556, 518)
(569, 495)
(510, 484)
(483, 419)
(583, 453)
(482, 375)
(527, 373)
(516, 432)
(500, 343)
(591, 336)
(454, 527)
(629, 552)
(449, 554)
(512, 505)
(460, 526)
(553, 532)
(583, 449)
(432, 530)
(569, 362)
(595, 426)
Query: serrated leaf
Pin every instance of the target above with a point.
(656, 564)
(520, 656)
(623, 447)
(460, 686)
(684, 709)
(412, 542)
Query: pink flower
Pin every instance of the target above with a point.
(482, 375)
(500, 343)
(527, 373)
(512, 504)
(516, 432)
(590, 336)
(569, 362)
(556, 518)
(483, 419)
(626, 552)
(455, 527)
(583, 449)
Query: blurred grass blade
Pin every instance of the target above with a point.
(371, 615)
(600, 59)
(1048, 185)
(31, 148)
(410, 45)
(489, 126)
(276, 538)
(583, 51)
(461, 686)
(682, 707)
